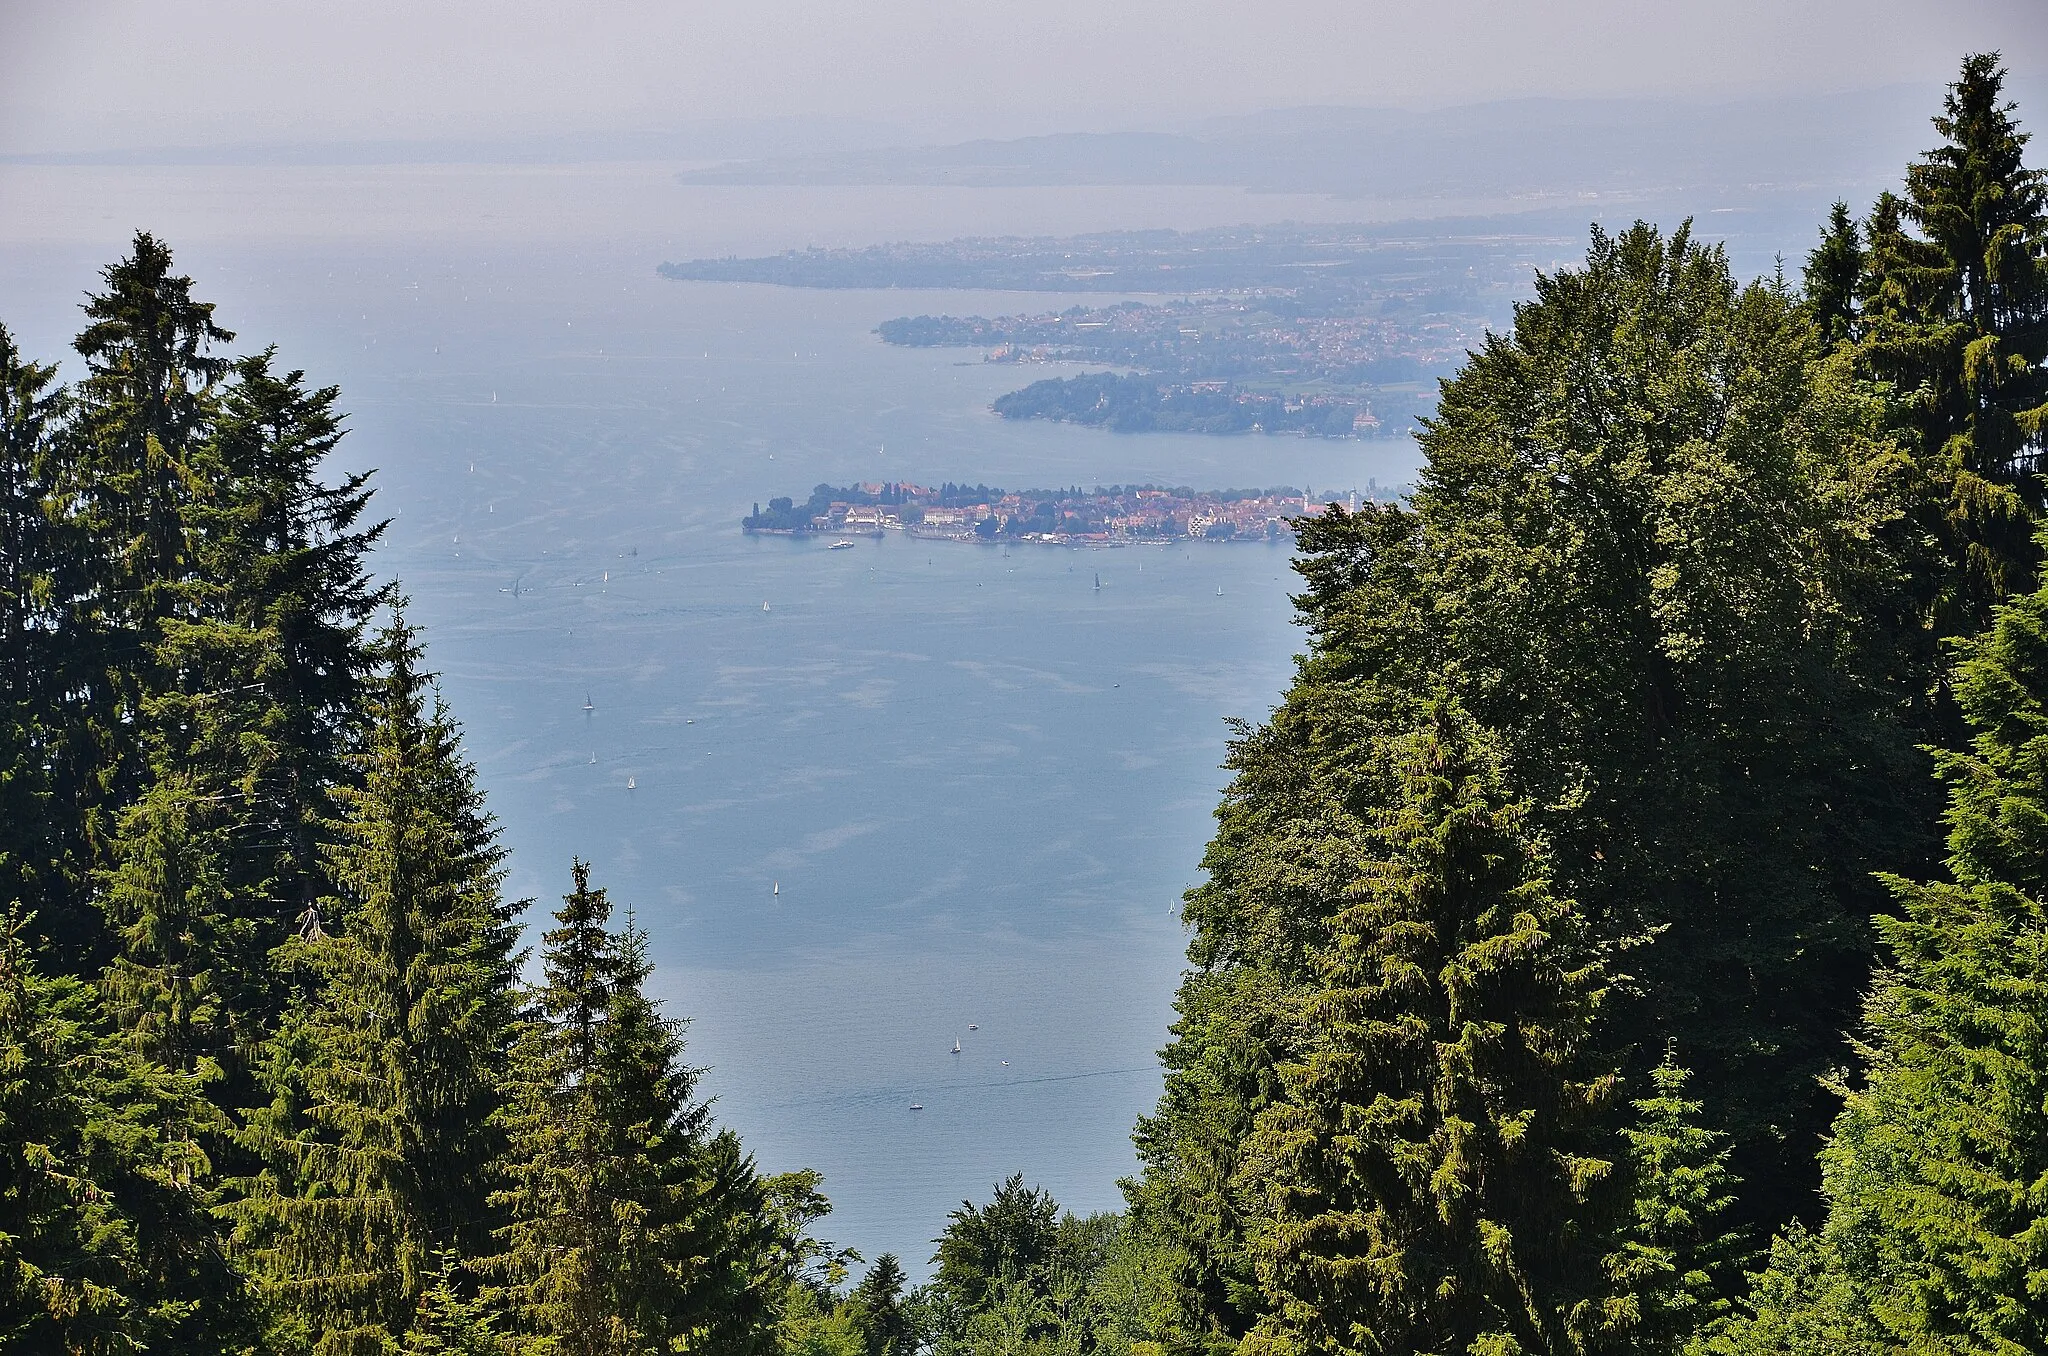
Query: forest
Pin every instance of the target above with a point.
(1629, 933)
(1136, 403)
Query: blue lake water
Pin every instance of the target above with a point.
(880, 799)
(979, 783)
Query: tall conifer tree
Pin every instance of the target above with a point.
(1937, 1230)
(1438, 1171)
(1677, 1264)
(32, 850)
(632, 1225)
(381, 1134)
(263, 694)
(174, 979)
(144, 404)
(1834, 273)
(124, 483)
(283, 618)
(1957, 319)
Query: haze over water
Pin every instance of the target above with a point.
(980, 783)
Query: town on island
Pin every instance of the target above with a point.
(1103, 516)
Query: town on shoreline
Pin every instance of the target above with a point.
(1103, 516)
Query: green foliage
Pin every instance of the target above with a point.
(1655, 552)
(380, 1138)
(1834, 274)
(144, 404)
(254, 828)
(1004, 1241)
(277, 689)
(1956, 319)
(264, 662)
(1436, 1171)
(449, 1323)
(1661, 579)
(810, 1327)
(1802, 1304)
(176, 924)
(1937, 1235)
(106, 1245)
(1673, 1267)
(630, 1225)
(1017, 1275)
(878, 1306)
(33, 850)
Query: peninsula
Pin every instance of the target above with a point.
(1312, 330)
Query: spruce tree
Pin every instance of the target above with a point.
(878, 1304)
(106, 1245)
(1677, 1264)
(631, 1225)
(123, 480)
(263, 693)
(33, 851)
(380, 1136)
(1937, 1230)
(177, 928)
(1834, 273)
(449, 1321)
(1438, 1171)
(281, 633)
(144, 403)
(1957, 320)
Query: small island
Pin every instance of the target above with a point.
(1115, 515)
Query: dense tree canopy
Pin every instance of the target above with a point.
(1597, 813)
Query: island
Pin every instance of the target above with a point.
(1115, 515)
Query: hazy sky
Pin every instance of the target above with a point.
(94, 73)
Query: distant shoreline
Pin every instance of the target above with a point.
(1118, 515)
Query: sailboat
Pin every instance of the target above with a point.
(777, 890)
(764, 607)
(630, 783)
(956, 1045)
(586, 701)
(1098, 582)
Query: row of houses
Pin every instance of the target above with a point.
(1101, 516)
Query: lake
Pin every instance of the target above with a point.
(866, 803)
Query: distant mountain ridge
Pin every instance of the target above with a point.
(1546, 147)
